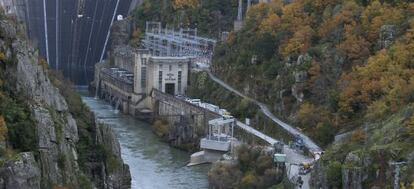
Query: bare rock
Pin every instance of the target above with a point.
(8, 30)
(119, 177)
(33, 81)
(352, 173)
(387, 35)
(22, 173)
(303, 59)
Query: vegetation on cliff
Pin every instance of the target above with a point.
(209, 16)
(17, 130)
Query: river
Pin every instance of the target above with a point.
(153, 163)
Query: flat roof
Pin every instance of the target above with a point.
(169, 59)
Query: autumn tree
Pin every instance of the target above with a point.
(307, 114)
(310, 115)
(295, 17)
(387, 76)
(376, 110)
(410, 126)
(358, 136)
(355, 47)
(270, 24)
(256, 14)
(314, 72)
(2, 57)
(299, 42)
(376, 15)
(181, 4)
(347, 15)
(3, 129)
(320, 5)
(135, 38)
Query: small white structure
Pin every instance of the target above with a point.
(9, 6)
(219, 141)
(120, 17)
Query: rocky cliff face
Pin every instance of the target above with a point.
(55, 161)
(116, 173)
(23, 173)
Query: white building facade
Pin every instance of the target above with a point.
(167, 74)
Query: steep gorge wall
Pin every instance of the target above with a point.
(55, 159)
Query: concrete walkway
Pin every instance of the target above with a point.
(312, 146)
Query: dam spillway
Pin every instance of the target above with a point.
(72, 34)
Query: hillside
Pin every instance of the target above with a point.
(330, 67)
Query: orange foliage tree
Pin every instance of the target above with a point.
(270, 24)
(310, 115)
(346, 15)
(299, 42)
(314, 72)
(3, 129)
(256, 14)
(295, 17)
(355, 47)
(410, 126)
(181, 4)
(376, 15)
(387, 76)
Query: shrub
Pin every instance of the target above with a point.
(410, 126)
(160, 128)
(59, 187)
(358, 136)
(224, 175)
(324, 133)
(334, 174)
(61, 161)
(84, 182)
(249, 180)
(2, 57)
(3, 129)
(263, 163)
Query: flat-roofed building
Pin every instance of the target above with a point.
(167, 74)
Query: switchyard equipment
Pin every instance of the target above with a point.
(184, 42)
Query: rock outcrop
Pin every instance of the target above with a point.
(22, 173)
(318, 177)
(118, 175)
(352, 174)
(387, 35)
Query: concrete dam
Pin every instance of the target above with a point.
(72, 35)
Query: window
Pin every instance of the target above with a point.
(144, 77)
(160, 80)
(170, 67)
(160, 66)
(143, 61)
(179, 81)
